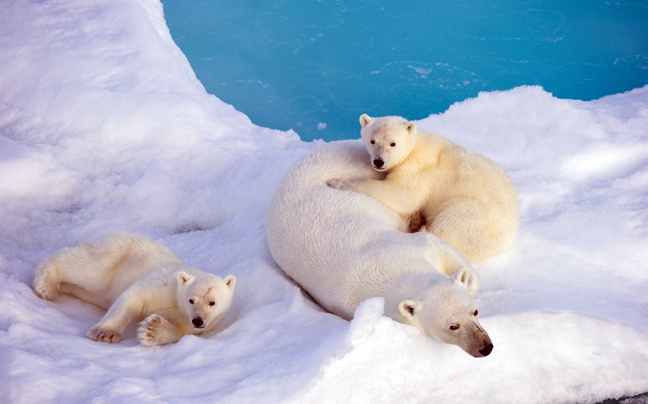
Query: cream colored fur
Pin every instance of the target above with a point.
(464, 198)
(344, 247)
(133, 277)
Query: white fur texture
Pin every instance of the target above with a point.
(344, 247)
(463, 198)
(133, 277)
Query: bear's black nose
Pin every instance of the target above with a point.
(378, 163)
(197, 322)
(486, 350)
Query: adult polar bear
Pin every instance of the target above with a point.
(345, 247)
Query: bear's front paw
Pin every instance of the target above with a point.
(155, 330)
(340, 184)
(103, 335)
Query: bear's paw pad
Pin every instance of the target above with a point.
(45, 288)
(46, 292)
(151, 330)
(102, 335)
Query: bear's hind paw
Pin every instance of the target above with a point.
(102, 335)
(46, 292)
(45, 287)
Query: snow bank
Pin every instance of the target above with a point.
(103, 126)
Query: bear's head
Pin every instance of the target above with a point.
(448, 313)
(204, 298)
(389, 140)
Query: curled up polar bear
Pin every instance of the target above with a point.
(462, 197)
(345, 247)
(133, 277)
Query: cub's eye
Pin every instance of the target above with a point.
(393, 144)
(454, 327)
(373, 141)
(191, 301)
(212, 303)
(476, 312)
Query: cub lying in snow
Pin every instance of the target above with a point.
(133, 277)
(464, 198)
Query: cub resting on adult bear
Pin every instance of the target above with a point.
(344, 248)
(462, 197)
(133, 277)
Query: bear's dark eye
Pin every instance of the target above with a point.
(454, 327)
(191, 301)
(476, 312)
(212, 303)
(373, 141)
(393, 144)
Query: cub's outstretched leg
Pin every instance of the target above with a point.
(127, 308)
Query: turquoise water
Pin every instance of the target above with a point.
(316, 66)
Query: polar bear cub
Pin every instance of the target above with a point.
(133, 277)
(463, 198)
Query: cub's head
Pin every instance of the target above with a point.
(389, 140)
(204, 298)
(449, 314)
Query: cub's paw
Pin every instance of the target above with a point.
(103, 335)
(45, 286)
(155, 330)
(340, 184)
(45, 290)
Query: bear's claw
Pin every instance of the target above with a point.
(148, 330)
(339, 184)
(103, 335)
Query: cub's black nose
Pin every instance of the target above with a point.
(486, 350)
(378, 163)
(198, 322)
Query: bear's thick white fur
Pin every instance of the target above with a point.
(344, 247)
(135, 278)
(464, 198)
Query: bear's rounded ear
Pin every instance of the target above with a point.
(364, 120)
(468, 279)
(230, 281)
(410, 127)
(184, 278)
(408, 308)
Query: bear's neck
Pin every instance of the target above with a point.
(428, 154)
(413, 286)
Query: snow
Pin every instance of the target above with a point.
(104, 126)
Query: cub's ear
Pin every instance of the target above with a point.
(230, 281)
(365, 119)
(411, 127)
(409, 308)
(184, 278)
(468, 279)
